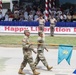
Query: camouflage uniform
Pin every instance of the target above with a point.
(27, 51)
(40, 53)
(41, 23)
(52, 25)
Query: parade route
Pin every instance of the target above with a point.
(11, 58)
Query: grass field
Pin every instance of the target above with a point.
(16, 40)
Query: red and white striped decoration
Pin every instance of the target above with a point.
(0, 5)
(46, 9)
(51, 5)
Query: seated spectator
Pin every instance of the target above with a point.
(61, 17)
(11, 16)
(35, 17)
(21, 16)
(33, 11)
(26, 15)
(64, 17)
(57, 17)
(16, 15)
(1, 16)
(74, 17)
(38, 12)
(28, 9)
(6, 17)
(59, 11)
(69, 17)
(30, 18)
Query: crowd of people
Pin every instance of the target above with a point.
(31, 13)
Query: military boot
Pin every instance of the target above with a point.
(20, 71)
(49, 68)
(35, 72)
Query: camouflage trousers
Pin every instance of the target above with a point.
(40, 56)
(41, 27)
(27, 59)
(52, 30)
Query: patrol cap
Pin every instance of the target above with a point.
(26, 31)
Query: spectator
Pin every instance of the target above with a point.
(28, 9)
(1, 16)
(21, 16)
(38, 12)
(69, 17)
(71, 10)
(35, 17)
(11, 16)
(74, 17)
(16, 15)
(64, 17)
(59, 11)
(61, 17)
(57, 17)
(6, 17)
(30, 18)
(33, 11)
(26, 15)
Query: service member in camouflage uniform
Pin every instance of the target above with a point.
(52, 25)
(41, 21)
(27, 51)
(40, 51)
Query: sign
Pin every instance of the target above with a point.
(32, 29)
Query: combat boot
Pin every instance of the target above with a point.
(49, 68)
(20, 71)
(35, 72)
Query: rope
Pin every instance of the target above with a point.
(49, 44)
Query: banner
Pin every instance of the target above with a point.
(32, 29)
(74, 72)
(64, 52)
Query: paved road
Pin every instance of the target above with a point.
(11, 58)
